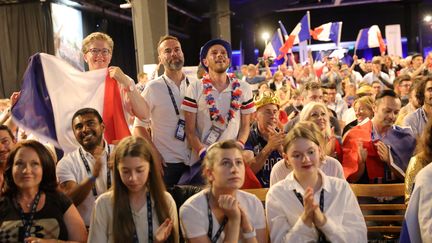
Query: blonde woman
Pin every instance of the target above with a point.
(309, 206)
(319, 114)
(222, 212)
(138, 209)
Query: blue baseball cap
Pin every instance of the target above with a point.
(205, 48)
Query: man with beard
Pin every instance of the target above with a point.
(219, 106)
(84, 174)
(264, 145)
(164, 96)
(376, 151)
(418, 119)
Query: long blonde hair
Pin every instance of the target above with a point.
(123, 224)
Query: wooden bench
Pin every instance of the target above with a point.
(377, 209)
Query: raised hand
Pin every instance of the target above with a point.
(309, 207)
(383, 151)
(98, 161)
(163, 231)
(230, 206)
(117, 74)
(275, 140)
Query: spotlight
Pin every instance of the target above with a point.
(427, 18)
(265, 36)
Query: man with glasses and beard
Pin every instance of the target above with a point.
(84, 173)
(164, 96)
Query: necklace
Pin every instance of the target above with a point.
(211, 103)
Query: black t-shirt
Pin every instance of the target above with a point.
(47, 223)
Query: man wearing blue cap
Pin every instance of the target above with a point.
(219, 106)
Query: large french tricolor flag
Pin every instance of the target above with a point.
(300, 33)
(328, 32)
(370, 38)
(273, 46)
(52, 91)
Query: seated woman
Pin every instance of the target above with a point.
(319, 114)
(32, 210)
(138, 209)
(223, 213)
(363, 108)
(308, 206)
(330, 166)
(423, 156)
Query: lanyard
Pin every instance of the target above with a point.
(210, 218)
(86, 164)
(321, 236)
(28, 221)
(149, 222)
(172, 95)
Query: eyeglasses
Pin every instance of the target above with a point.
(97, 51)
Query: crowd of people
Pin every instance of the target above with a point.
(304, 132)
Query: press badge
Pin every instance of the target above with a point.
(213, 135)
(180, 130)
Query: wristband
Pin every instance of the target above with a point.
(249, 235)
(242, 145)
(202, 153)
(92, 178)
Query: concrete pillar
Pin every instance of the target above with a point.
(150, 22)
(220, 22)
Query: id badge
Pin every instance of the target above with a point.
(180, 130)
(213, 135)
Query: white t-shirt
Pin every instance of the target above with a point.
(164, 119)
(195, 102)
(345, 222)
(330, 166)
(101, 227)
(72, 168)
(194, 214)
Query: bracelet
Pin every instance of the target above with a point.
(249, 235)
(239, 142)
(202, 153)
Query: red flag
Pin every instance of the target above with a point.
(116, 126)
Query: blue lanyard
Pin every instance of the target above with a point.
(28, 221)
(149, 222)
(321, 236)
(210, 218)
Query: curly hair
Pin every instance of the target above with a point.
(420, 85)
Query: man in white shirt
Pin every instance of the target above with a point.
(164, 96)
(334, 101)
(84, 173)
(219, 106)
(377, 74)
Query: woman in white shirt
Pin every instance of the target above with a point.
(138, 209)
(309, 206)
(330, 166)
(222, 212)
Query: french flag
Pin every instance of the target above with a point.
(328, 32)
(52, 91)
(300, 33)
(370, 38)
(273, 46)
